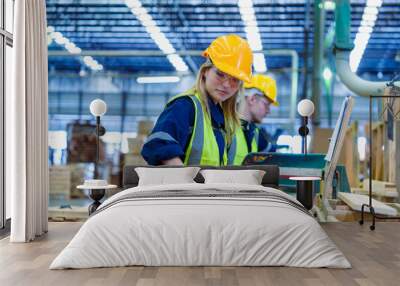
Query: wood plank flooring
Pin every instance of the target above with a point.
(374, 255)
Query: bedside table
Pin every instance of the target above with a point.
(304, 190)
(96, 193)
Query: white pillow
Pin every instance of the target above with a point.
(166, 176)
(248, 177)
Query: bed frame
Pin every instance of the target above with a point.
(130, 178)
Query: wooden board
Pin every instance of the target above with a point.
(349, 156)
(355, 201)
(377, 192)
(68, 214)
(320, 140)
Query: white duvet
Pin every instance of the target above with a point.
(190, 231)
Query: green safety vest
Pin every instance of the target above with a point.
(203, 146)
(238, 149)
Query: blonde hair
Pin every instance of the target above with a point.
(231, 115)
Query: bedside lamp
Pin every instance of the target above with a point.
(305, 108)
(97, 187)
(98, 108)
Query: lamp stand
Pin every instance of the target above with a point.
(303, 131)
(96, 170)
(97, 194)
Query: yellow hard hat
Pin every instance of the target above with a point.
(266, 85)
(232, 55)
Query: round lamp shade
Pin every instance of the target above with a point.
(305, 107)
(98, 107)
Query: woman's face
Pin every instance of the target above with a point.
(219, 85)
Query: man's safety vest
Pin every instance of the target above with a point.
(238, 149)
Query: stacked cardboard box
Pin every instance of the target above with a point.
(135, 145)
(132, 159)
(60, 181)
(77, 178)
(145, 127)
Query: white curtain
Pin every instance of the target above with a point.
(26, 123)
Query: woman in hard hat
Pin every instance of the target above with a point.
(260, 93)
(196, 126)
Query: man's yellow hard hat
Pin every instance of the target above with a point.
(232, 55)
(266, 84)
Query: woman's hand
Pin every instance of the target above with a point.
(173, 162)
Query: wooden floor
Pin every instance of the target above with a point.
(374, 255)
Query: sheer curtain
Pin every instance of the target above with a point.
(27, 125)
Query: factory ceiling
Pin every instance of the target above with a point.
(170, 27)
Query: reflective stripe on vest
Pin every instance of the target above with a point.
(239, 149)
(203, 147)
(160, 135)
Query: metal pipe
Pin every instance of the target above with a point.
(343, 46)
(96, 165)
(371, 171)
(318, 55)
(355, 83)
(295, 78)
(306, 49)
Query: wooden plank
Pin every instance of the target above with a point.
(349, 156)
(355, 201)
(377, 150)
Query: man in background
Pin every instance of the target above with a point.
(260, 93)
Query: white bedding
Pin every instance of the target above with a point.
(183, 231)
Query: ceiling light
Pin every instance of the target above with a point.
(71, 48)
(158, 79)
(327, 74)
(329, 5)
(50, 29)
(369, 17)
(397, 58)
(259, 62)
(156, 34)
(367, 23)
(252, 34)
(365, 30)
(371, 10)
(374, 3)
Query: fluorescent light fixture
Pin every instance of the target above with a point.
(369, 17)
(158, 79)
(374, 3)
(367, 23)
(365, 30)
(156, 34)
(60, 39)
(327, 74)
(252, 34)
(329, 5)
(50, 29)
(361, 147)
(259, 62)
(371, 10)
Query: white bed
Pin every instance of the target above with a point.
(245, 225)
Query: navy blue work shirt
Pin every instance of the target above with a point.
(172, 132)
(249, 130)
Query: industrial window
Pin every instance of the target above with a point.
(6, 43)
